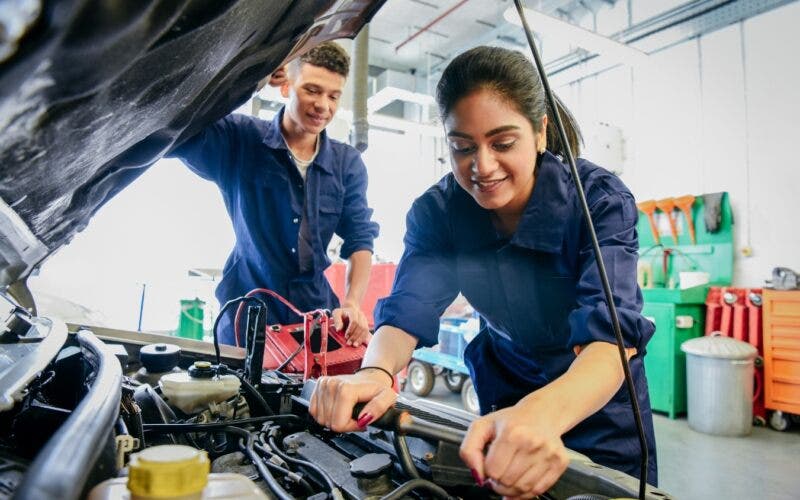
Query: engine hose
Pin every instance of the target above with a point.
(263, 471)
(120, 428)
(253, 392)
(296, 461)
(404, 455)
(405, 488)
(293, 476)
(84, 435)
(193, 427)
(137, 428)
(221, 312)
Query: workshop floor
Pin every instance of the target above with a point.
(693, 465)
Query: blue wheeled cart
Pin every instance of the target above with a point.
(445, 359)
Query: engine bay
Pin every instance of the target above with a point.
(78, 403)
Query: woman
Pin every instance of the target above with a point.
(505, 228)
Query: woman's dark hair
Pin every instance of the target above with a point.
(512, 76)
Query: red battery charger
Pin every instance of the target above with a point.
(325, 350)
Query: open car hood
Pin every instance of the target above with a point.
(94, 92)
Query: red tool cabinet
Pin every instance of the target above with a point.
(381, 277)
(737, 313)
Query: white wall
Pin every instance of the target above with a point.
(715, 114)
(152, 233)
(401, 167)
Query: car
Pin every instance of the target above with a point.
(93, 93)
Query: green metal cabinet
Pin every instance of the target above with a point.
(665, 363)
(679, 314)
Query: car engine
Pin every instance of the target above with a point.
(77, 403)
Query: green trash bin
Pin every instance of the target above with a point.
(190, 325)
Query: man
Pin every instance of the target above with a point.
(288, 188)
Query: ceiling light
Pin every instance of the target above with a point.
(387, 95)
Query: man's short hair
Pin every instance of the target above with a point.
(328, 55)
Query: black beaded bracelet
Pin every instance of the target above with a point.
(384, 370)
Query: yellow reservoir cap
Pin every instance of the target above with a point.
(168, 471)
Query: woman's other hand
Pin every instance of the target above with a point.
(334, 398)
(524, 453)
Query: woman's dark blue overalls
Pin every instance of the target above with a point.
(538, 294)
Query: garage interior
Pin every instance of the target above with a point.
(692, 104)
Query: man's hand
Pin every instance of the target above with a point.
(355, 321)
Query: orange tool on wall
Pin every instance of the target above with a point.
(667, 205)
(649, 208)
(685, 204)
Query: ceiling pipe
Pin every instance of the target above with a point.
(687, 21)
(504, 29)
(428, 26)
(360, 132)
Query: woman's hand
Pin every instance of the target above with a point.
(335, 397)
(525, 455)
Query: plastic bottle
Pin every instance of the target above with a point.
(175, 472)
(157, 360)
(191, 391)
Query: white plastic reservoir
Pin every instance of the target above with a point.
(192, 394)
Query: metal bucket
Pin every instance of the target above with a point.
(719, 375)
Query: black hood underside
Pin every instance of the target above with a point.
(94, 92)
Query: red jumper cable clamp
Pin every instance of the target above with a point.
(316, 364)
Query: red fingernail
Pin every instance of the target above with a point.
(364, 420)
(476, 477)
